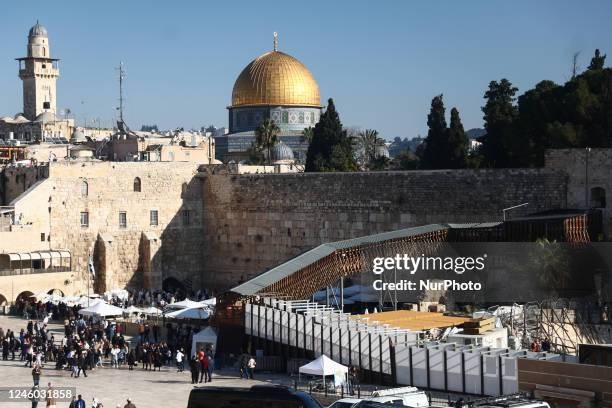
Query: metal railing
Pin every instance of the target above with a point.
(31, 271)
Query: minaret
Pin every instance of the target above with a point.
(39, 73)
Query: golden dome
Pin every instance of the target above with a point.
(275, 78)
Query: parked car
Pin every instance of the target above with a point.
(258, 396)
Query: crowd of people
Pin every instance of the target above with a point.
(89, 343)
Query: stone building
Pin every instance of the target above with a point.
(273, 86)
(40, 120)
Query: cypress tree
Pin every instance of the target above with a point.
(434, 150)
(330, 148)
(457, 142)
(500, 114)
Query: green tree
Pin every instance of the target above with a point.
(266, 136)
(457, 142)
(331, 149)
(405, 160)
(500, 114)
(255, 155)
(435, 144)
(598, 61)
(307, 134)
(367, 146)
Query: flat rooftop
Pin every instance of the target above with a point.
(415, 321)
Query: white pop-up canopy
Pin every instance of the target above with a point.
(185, 304)
(101, 309)
(132, 309)
(205, 338)
(197, 313)
(323, 366)
(151, 311)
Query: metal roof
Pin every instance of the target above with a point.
(258, 283)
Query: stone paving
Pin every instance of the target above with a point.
(147, 389)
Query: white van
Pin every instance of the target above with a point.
(406, 396)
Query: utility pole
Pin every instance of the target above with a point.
(121, 78)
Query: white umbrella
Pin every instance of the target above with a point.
(191, 313)
(185, 304)
(101, 309)
(151, 311)
(132, 309)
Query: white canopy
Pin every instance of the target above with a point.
(185, 304)
(210, 302)
(101, 309)
(151, 311)
(323, 366)
(132, 309)
(191, 313)
(203, 339)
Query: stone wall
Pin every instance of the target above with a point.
(120, 254)
(586, 171)
(15, 180)
(254, 222)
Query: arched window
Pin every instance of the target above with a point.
(598, 197)
(84, 189)
(137, 184)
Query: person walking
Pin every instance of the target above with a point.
(129, 404)
(194, 367)
(131, 359)
(51, 402)
(179, 361)
(82, 363)
(211, 363)
(36, 374)
(80, 403)
(251, 367)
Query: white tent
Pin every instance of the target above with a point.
(324, 366)
(101, 309)
(205, 338)
(151, 311)
(191, 313)
(132, 309)
(185, 304)
(209, 302)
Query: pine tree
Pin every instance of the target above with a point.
(500, 114)
(330, 149)
(435, 149)
(457, 142)
(598, 61)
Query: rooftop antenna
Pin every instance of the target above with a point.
(121, 78)
(275, 41)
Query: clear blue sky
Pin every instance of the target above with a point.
(381, 61)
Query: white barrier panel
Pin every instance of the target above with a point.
(472, 373)
(300, 331)
(285, 323)
(491, 375)
(419, 367)
(269, 315)
(453, 369)
(365, 351)
(309, 333)
(510, 371)
(317, 340)
(334, 351)
(292, 338)
(344, 346)
(325, 334)
(354, 346)
(278, 327)
(402, 364)
(247, 318)
(256, 321)
(375, 339)
(436, 368)
(386, 355)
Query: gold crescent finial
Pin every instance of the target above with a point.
(275, 41)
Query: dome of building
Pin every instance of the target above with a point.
(19, 118)
(281, 153)
(38, 31)
(78, 136)
(46, 117)
(275, 78)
